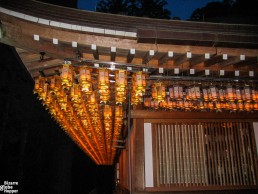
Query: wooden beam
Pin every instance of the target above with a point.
(148, 56)
(167, 56)
(183, 58)
(112, 53)
(146, 114)
(94, 51)
(130, 55)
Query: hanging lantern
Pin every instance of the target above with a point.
(119, 111)
(248, 106)
(255, 106)
(55, 85)
(240, 106)
(147, 101)
(246, 93)
(230, 93)
(139, 82)
(188, 93)
(39, 85)
(187, 105)
(92, 99)
(254, 91)
(205, 94)
(178, 92)
(75, 93)
(107, 111)
(238, 94)
(121, 84)
(158, 91)
(103, 85)
(195, 92)
(85, 80)
(67, 76)
(213, 93)
(222, 96)
(218, 106)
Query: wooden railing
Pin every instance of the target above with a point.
(203, 154)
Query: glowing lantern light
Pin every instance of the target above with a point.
(238, 94)
(103, 85)
(221, 93)
(39, 85)
(85, 80)
(230, 93)
(213, 93)
(138, 87)
(158, 91)
(67, 76)
(121, 84)
(76, 93)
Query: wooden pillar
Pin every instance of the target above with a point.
(138, 155)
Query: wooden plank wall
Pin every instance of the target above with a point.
(204, 154)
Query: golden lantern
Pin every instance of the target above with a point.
(230, 93)
(92, 99)
(246, 93)
(248, 106)
(205, 94)
(67, 76)
(158, 91)
(187, 105)
(119, 111)
(240, 106)
(254, 94)
(39, 85)
(107, 112)
(255, 106)
(85, 79)
(188, 93)
(139, 81)
(103, 85)
(178, 92)
(238, 94)
(195, 92)
(211, 105)
(55, 84)
(218, 106)
(221, 91)
(147, 101)
(180, 105)
(213, 93)
(76, 93)
(43, 94)
(121, 86)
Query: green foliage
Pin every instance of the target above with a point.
(140, 8)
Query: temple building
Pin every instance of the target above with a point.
(172, 104)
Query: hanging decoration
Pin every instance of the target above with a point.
(89, 103)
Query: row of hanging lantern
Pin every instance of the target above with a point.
(232, 97)
(90, 108)
(84, 112)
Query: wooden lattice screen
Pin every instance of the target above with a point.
(204, 154)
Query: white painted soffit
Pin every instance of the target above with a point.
(67, 25)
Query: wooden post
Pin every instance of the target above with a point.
(138, 155)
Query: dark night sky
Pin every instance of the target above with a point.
(178, 8)
(34, 150)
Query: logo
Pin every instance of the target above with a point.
(9, 187)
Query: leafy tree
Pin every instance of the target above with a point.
(141, 8)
